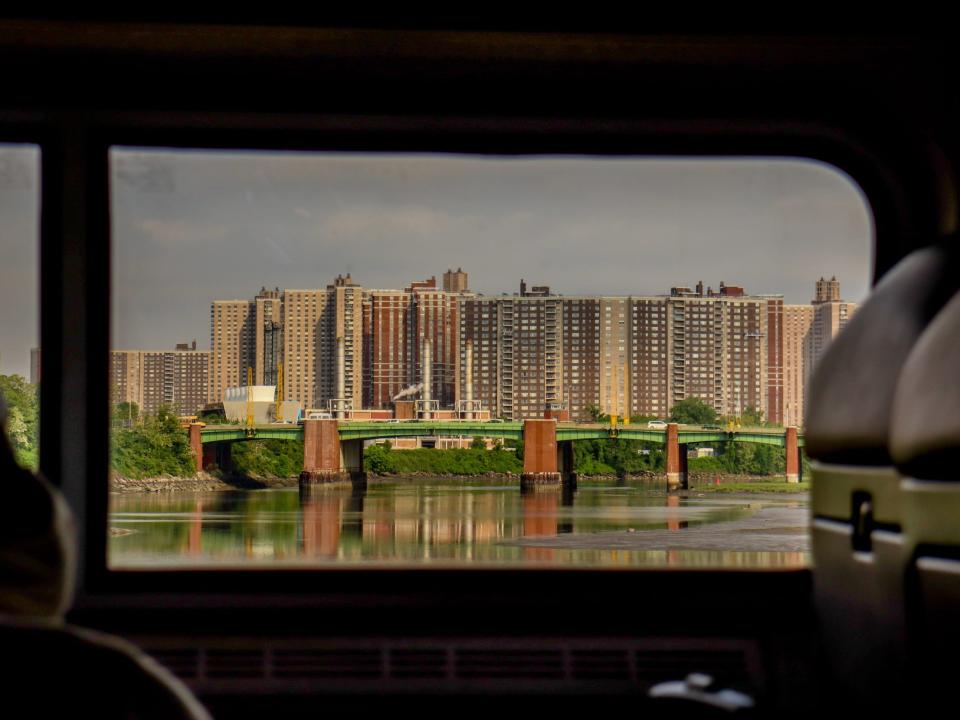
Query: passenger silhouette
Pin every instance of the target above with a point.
(47, 667)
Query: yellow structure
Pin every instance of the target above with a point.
(249, 396)
(279, 396)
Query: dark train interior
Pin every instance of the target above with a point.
(869, 627)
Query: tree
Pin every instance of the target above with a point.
(17, 430)
(751, 417)
(126, 414)
(23, 417)
(478, 443)
(597, 415)
(693, 411)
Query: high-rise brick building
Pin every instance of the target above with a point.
(436, 317)
(649, 356)
(623, 355)
(797, 354)
(316, 323)
(178, 379)
(455, 282)
(388, 346)
(808, 332)
(232, 344)
(305, 323)
(582, 364)
(517, 353)
(342, 323)
(626, 355)
(344, 344)
(245, 334)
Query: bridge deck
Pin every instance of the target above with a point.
(368, 430)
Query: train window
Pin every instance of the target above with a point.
(19, 292)
(342, 359)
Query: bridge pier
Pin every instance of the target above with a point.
(540, 467)
(792, 449)
(546, 463)
(196, 445)
(326, 460)
(676, 459)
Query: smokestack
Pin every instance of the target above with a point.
(341, 377)
(427, 359)
(469, 393)
(408, 391)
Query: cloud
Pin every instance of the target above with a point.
(369, 222)
(180, 232)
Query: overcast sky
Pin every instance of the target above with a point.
(192, 227)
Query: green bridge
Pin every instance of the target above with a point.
(566, 432)
(333, 450)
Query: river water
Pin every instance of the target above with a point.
(455, 523)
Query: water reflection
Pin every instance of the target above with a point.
(436, 521)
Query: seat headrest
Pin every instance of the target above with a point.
(850, 395)
(925, 422)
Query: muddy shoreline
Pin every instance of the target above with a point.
(210, 482)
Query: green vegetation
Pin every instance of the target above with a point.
(125, 414)
(750, 417)
(156, 446)
(615, 457)
(742, 459)
(268, 458)
(600, 417)
(382, 460)
(693, 411)
(23, 418)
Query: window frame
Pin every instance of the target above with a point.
(74, 132)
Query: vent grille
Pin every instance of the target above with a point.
(428, 663)
(185, 664)
(332, 666)
(342, 664)
(510, 664)
(234, 663)
(601, 665)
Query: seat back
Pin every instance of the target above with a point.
(925, 445)
(858, 544)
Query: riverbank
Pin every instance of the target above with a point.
(215, 482)
(201, 482)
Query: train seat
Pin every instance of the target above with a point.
(925, 445)
(857, 538)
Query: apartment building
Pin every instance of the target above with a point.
(388, 347)
(480, 322)
(582, 364)
(808, 332)
(306, 321)
(232, 345)
(178, 379)
(797, 355)
(626, 355)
